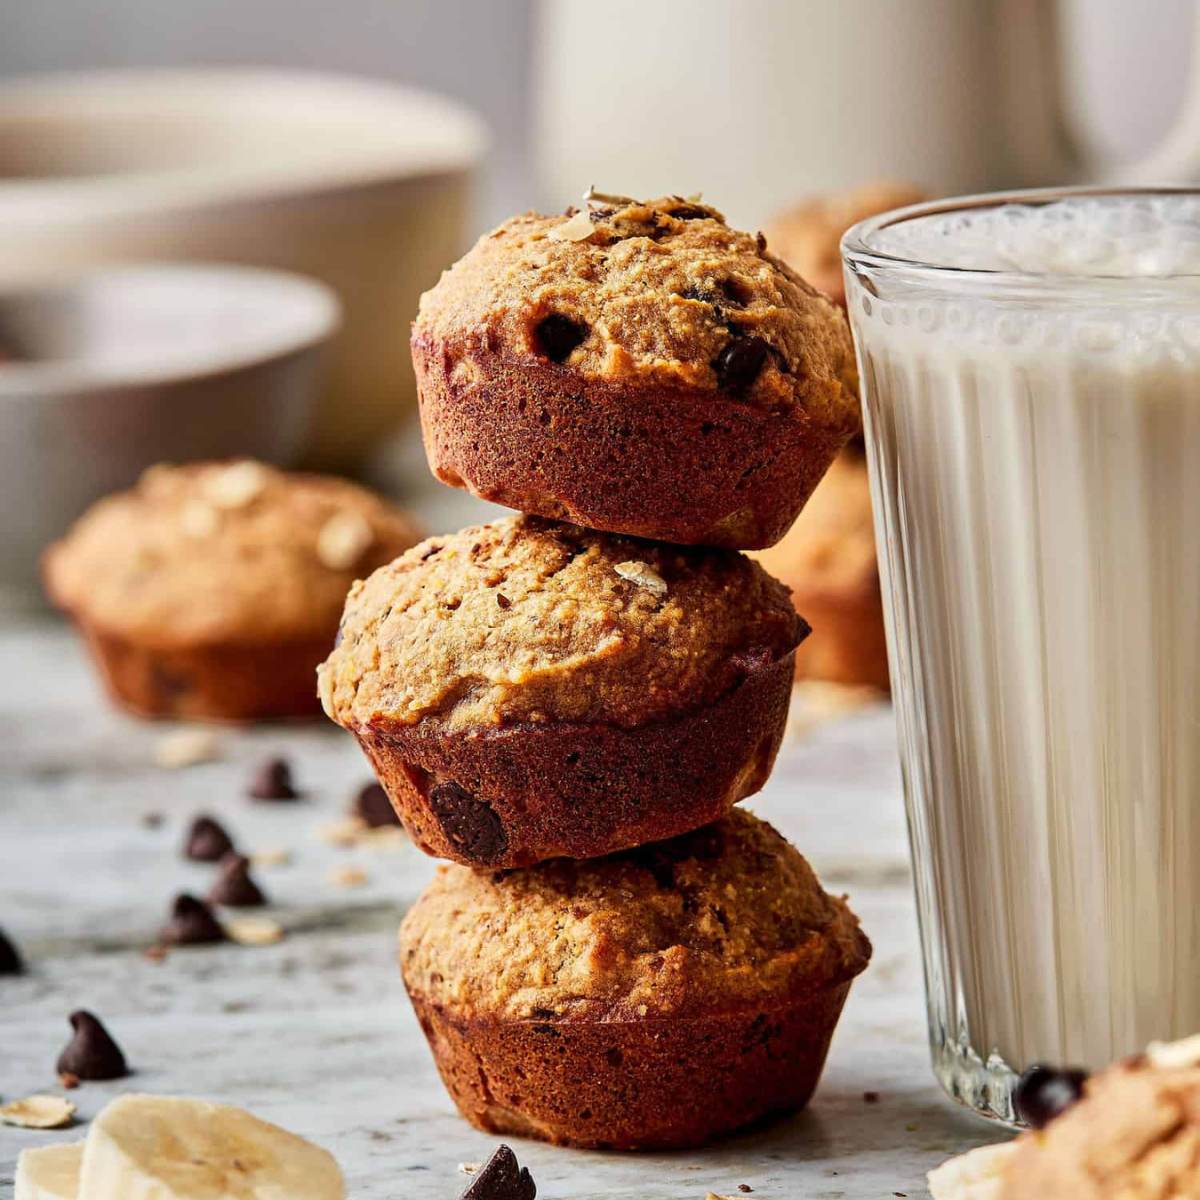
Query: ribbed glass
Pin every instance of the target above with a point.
(1034, 447)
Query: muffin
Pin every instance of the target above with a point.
(828, 560)
(656, 998)
(528, 689)
(1133, 1135)
(809, 235)
(639, 368)
(213, 590)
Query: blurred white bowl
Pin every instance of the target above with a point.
(102, 376)
(360, 184)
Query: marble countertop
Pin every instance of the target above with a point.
(316, 1033)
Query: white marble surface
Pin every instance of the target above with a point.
(316, 1033)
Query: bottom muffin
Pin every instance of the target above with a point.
(656, 998)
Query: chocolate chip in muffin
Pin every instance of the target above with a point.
(273, 781)
(235, 888)
(373, 808)
(206, 841)
(555, 336)
(192, 923)
(469, 823)
(10, 959)
(738, 364)
(501, 1178)
(91, 1052)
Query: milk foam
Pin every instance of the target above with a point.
(1126, 236)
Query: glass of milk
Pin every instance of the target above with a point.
(1031, 389)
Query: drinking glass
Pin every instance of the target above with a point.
(1034, 447)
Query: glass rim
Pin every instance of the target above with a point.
(857, 252)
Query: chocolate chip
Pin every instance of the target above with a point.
(471, 825)
(503, 600)
(501, 1178)
(206, 841)
(688, 212)
(91, 1053)
(273, 781)
(556, 336)
(192, 924)
(738, 364)
(10, 959)
(372, 806)
(1043, 1093)
(234, 887)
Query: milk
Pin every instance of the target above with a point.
(1035, 451)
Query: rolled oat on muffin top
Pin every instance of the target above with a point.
(532, 621)
(637, 367)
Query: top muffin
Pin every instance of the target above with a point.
(527, 620)
(637, 367)
(223, 553)
(662, 290)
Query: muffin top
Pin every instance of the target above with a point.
(531, 620)
(726, 917)
(1135, 1135)
(223, 552)
(809, 236)
(659, 290)
(830, 550)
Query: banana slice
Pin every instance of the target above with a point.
(174, 1148)
(49, 1172)
(976, 1175)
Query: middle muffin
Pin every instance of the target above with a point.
(529, 689)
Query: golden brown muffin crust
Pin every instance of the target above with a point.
(1135, 1135)
(716, 920)
(662, 289)
(223, 553)
(530, 620)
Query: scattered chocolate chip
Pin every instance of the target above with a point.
(10, 959)
(744, 1187)
(372, 806)
(153, 820)
(503, 600)
(555, 336)
(688, 212)
(91, 1053)
(192, 924)
(273, 781)
(470, 824)
(760, 240)
(206, 841)
(738, 364)
(501, 1178)
(1043, 1093)
(234, 887)
(870, 1097)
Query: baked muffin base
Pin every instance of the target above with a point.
(665, 1083)
(668, 463)
(511, 797)
(215, 682)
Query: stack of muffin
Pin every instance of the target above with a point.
(570, 711)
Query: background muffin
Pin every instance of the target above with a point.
(654, 998)
(828, 560)
(809, 235)
(634, 367)
(214, 589)
(527, 688)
